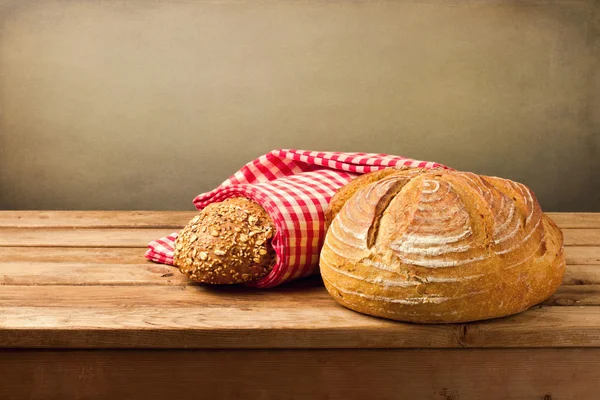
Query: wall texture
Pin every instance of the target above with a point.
(143, 104)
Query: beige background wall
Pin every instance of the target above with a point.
(143, 104)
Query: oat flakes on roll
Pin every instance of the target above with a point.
(227, 243)
(441, 246)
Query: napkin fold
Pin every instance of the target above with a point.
(294, 187)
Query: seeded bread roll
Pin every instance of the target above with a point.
(228, 242)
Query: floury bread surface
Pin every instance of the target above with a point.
(440, 246)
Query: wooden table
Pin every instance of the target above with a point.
(84, 316)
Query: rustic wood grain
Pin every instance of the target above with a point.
(115, 255)
(211, 327)
(62, 265)
(130, 237)
(582, 255)
(467, 374)
(582, 237)
(575, 220)
(80, 281)
(305, 294)
(575, 295)
(582, 275)
(168, 219)
(90, 287)
(80, 237)
(326, 325)
(95, 219)
(300, 294)
(98, 272)
(91, 273)
(569, 327)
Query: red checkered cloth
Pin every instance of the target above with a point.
(294, 187)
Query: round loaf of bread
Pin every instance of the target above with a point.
(228, 242)
(441, 246)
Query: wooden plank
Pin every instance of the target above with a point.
(582, 275)
(167, 219)
(73, 255)
(576, 220)
(147, 273)
(582, 237)
(80, 237)
(464, 374)
(575, 295)
(122, 237)
(83, 266)
(52, 291)
(107, 271)
(214, 327)
(586, 273)
(582, 255)
(95, 219)
(286, 317)
(540, 326)
(309, 292)
(68, 273)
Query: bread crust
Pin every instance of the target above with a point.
(441, 246)
(348, 190)
(228, 242)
